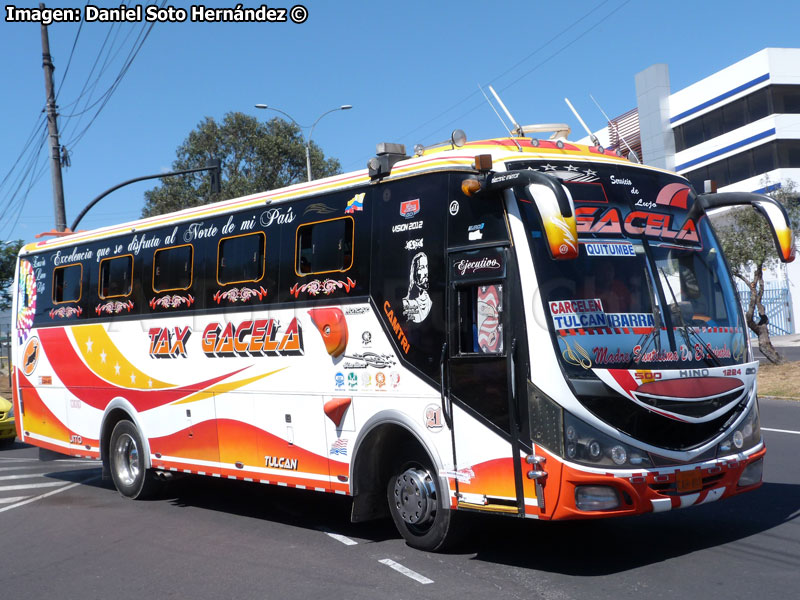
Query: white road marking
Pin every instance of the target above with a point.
(23, 467)
(30, 486)
(781, 430)
(24, 476)
(12, 499)
(53, 493)
(341, 538)
(405, 571)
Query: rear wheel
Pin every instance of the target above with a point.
(128, 465)
(415, 503)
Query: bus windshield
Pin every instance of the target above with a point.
(649, 289)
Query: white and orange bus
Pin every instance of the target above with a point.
(527, 327)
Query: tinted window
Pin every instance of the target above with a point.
(764, 158)
(116, 275)
(480, 319)
(789, 153)
(718, 172)
(67, 283)
(172, 268)
(324, 246)
(758, 104)
(712, 125)
(734, 115)
(241, 258)
(787, 98)
(693, 133)
(740, 166)
(774, 99)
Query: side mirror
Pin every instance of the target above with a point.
(772, 210)
(560, 231)
(552, 200)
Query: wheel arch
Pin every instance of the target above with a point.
(373, 458)
(119, 409)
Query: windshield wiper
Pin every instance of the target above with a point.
(655, 333)
(685, 329)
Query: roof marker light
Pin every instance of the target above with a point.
(458, 138)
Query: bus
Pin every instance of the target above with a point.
(526, 327)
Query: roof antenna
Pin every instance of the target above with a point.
(592, 136)
(517, 130)
(616, 130)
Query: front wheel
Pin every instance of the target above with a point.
(415, 503)
(128, 466)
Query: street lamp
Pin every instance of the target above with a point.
(311, 132)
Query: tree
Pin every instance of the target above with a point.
(256, 157)
(8, 261)
(748, 245)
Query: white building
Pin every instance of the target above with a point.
(739, 127)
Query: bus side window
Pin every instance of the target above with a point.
(173, 268)
(480, 319)
(116, 276)
(241, 258)
(67, 283)
(324, 246)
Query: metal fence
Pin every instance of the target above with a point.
(777, 301)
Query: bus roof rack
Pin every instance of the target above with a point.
(560, 130)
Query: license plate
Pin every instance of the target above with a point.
(688, 481)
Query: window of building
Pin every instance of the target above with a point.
(116, 277)
(241, 258)
(693, 133)
(750, 163)
(774, 99)
(758, 105)
(734, 115)
(740, 166)
(172, 268)
(786, 99)
(713, 125)
(67, 283)
(763, 158)
(324, 246)
(788, 153)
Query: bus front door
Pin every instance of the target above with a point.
(479, 384)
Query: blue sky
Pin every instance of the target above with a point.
(410, 69)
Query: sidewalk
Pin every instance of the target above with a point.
(785, 341)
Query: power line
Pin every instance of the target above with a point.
(475, 107)
(511, 68)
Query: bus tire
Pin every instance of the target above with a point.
(128, 466)
(414, 495)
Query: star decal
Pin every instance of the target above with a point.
(572, 168)
(116, 369)
(89, 343)
(133, 378)
(591, 173)
(549, 167)
(103, 356)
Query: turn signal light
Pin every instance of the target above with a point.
(470, 186)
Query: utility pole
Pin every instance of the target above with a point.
(52, 127)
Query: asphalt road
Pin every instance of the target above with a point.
(74, 536)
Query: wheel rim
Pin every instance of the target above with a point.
(126, 459)
(415, 497)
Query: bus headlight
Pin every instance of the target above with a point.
(586, 445)
(746, 435)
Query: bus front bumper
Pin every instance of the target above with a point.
(587, 494)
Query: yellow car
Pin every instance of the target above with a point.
(7, 429)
